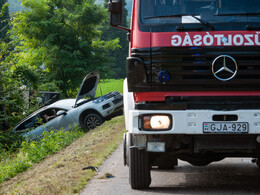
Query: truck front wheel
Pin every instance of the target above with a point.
(139, 169)
(258, 163)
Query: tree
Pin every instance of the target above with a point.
(61, 38)
(118, 56)
(4, 18)
(13, 103)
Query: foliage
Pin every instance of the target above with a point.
(4, 18)
(14, 95)
(11, 102)
(118, 56)
(64, 168)
(49, 87)
(34, 151)
(11, 80)
(52, 46)
(10, 142)
(60, 37)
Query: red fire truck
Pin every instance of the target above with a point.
(192, 90)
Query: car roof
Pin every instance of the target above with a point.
(65, 103)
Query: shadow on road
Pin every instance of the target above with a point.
(218, 178)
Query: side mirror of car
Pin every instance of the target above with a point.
(61, 112)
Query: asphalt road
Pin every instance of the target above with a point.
(229, 176)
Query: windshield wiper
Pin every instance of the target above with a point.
(238, 14)
(165, 16)
(205, 23)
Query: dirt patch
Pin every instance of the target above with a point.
(107, 176)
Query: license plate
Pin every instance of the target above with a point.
(227, 127)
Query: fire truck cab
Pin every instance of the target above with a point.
(192, 90)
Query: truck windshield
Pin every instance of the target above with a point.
(199, 11)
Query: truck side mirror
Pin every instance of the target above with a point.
(115, 12)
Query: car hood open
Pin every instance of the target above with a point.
(88, 86)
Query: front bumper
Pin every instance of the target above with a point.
(191, 121)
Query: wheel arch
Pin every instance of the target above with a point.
(85, 113)
(129, 104)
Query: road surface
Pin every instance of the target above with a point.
(229, 176)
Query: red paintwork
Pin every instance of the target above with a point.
(164, 39)
(210, 38)
(160, 96)
(141, 39)
(138, 39)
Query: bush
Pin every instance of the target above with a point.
(34, 151)
(10, 141)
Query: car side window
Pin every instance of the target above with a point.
(32, 122)
(50, 114)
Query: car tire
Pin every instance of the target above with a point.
(91, 121)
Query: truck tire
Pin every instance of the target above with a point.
(139, 169)
(258, 163)
(124, 150)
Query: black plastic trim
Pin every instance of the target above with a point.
(190, 69)
(106, 106)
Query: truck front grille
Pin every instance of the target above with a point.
(190, 68)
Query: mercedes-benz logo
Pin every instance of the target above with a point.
(224, 67)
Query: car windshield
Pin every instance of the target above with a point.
(199, 11)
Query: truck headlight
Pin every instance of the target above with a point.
(155, 122)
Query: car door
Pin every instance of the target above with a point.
(51, 121)
(34, 124)
(57, 118)
(30, 123)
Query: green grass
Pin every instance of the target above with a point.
(104, 86)
(108, 85)
(61, 172)
(32, 152)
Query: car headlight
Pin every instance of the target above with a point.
(155, 122)
(99, 100)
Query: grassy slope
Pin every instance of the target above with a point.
(108, 85)
(62, 172)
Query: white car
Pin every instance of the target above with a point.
(86, 113)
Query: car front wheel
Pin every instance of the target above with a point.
(91, 121)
